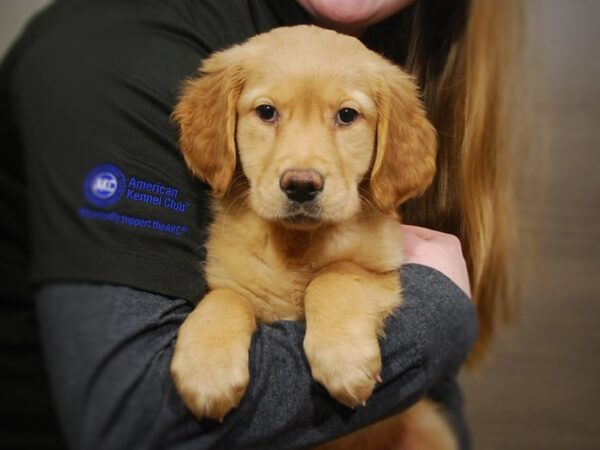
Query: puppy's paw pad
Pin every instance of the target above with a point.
(348, 372)
(211, 383)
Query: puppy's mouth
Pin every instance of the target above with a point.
(302, 215)
(301, 219)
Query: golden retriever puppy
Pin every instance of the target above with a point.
(310, 143)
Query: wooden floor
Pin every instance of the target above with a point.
(542, 391)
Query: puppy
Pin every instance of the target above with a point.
(310, 142)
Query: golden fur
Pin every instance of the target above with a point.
(331, 262)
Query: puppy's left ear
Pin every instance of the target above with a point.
(206, 115)
(404, 163)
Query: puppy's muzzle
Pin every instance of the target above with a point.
(301, 185)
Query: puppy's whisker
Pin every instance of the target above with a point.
(364, 198)
(237, 178)
(237, 201)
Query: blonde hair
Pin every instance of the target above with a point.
(468, 101)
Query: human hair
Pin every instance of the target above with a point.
(464, 54)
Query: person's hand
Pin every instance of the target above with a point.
(438, 250)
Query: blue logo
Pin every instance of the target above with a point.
(104, 185)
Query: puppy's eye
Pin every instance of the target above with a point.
(266, 113)
(346, 116)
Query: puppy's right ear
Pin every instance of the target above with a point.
(405, 157)
(206, 115)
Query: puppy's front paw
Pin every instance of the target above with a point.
(210, 378)
(346, 363)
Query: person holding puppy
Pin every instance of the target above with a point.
(103, 225)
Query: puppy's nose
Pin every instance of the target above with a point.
(301, 185)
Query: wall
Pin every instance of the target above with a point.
(542, 389)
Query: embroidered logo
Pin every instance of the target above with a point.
(104, 185)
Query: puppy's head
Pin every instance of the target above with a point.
(311, 117)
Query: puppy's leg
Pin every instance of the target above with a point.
(424, 426)
(421, 427)
(345, 307)
(210, 363)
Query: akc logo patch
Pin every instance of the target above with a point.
(104, 185)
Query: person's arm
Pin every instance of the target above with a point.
(109, 348)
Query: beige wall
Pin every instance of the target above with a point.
(542, 391)
(13, 14)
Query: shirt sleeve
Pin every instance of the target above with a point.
(109, 349)
(91, 89)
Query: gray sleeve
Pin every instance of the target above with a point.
(109, 348)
